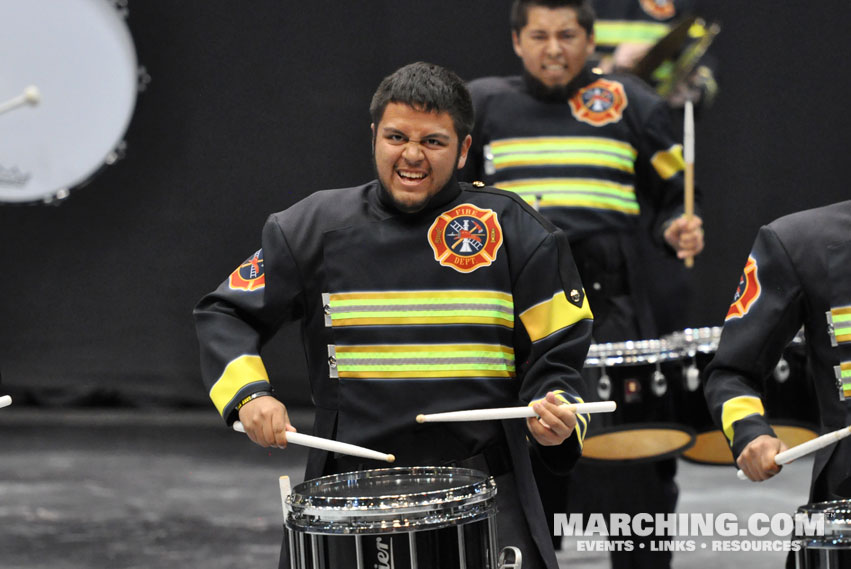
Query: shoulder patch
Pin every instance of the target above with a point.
(250, 275)
(600, 103)
(659, 9)
(747, 292)
(465, 238)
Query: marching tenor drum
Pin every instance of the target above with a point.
(644, 378)
(827, 549)
(68, 89)
(405, 518)
(789, 400)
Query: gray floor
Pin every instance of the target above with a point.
(106, 489)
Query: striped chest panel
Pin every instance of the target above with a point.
(419, 307)
(548, 165)
(839, 328)
(402, 309)
(840, 325)
(424, 361)
(611, 33)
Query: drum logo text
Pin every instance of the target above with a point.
(384, 554)
(250, 275)
(465, 238)
(13, 176)
(600, 103)
(747, 292)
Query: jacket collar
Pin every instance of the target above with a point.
(384, 202)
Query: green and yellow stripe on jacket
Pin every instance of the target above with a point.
(456, 310)
(575, 171)
(840, 321)
(608, 34)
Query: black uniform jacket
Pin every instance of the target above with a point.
(798, 274)
(602, 164)
(471, 303)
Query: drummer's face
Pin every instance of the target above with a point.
(416, 153)
(552, 45)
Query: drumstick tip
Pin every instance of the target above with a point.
(420, 418)
(32, 95)
(391, 458)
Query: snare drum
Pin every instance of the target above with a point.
(833, 548)
(789, 401)
(412, 517)
(643, 378)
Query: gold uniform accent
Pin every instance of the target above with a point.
(553, 315)
(238, 373)
(738, 408)
(668, 163)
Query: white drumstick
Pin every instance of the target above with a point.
(511, 412)
(286, 490)
(688, 158)
(30, 96)
(806, 448)
(329, 445)
(5, 401)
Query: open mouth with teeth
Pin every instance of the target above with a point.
(414, 177)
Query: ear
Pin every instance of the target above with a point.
(372, 128)
(515, 41)
(589, 49)
(465, 148)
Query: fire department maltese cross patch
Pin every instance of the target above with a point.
(659, 9)
(465, 238)
(249, 275)
(747, 292)
(602, 102)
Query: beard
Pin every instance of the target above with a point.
(405, 206)
(554, 94)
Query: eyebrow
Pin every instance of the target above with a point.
(391, 130)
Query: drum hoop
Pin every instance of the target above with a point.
(390, 523)
(837, 525)
(626, 360)
(468, 493)
(392, 513)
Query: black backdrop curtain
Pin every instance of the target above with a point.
(254, 105)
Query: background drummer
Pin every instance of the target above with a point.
(417, 294)
(798, 274)
(596, 155)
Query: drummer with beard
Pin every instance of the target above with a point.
(417, 294)
(595, 154)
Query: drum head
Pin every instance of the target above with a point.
(391, 500)
(643, 442)
(80, 56)
(711, 447)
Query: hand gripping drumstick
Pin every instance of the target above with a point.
(329, 445)
(805, 448)
(30, 96)
(511, 412)
(5, 401)
(688, 157)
